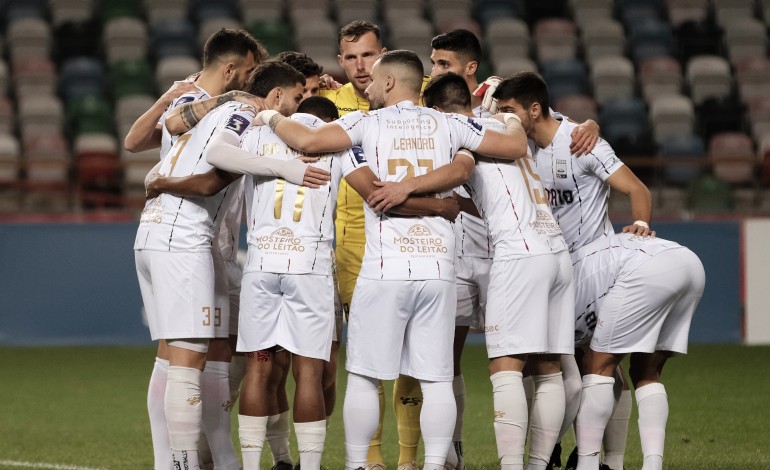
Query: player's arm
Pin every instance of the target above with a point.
(202, 185)
(363, 181)
(508, 145)
(145, 133)
(224, 152)
(625, 181)
(185, 117)
(447, 177)
(466, 205)
(329, 137)
(584, 137)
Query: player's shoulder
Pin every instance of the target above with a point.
(189, 97)
(307, 119)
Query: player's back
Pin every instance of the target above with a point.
(291, 227)
(511, 199)
(576, 186)
(172, 223)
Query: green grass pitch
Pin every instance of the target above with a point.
(85, 407)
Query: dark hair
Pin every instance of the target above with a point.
(459, 41)
(231, 41)
(355, 29)
(320, 107)
(526, 88)
(274, 74)
(301, 62)
(408, 61)
(449, 92)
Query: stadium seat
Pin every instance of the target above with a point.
(128, 109)
(125, 39)
(77, 39)
(671, 115)
(29, 37)
(20, 9)
(442, 11)
(131, 77)
(221, 9)
(764, 156)
(612, 78)
(7, 116)
(579, 108)
(708, 77)
(650, 38)
(759, 116)
(47, 159)
(4, 77)
(160, 11)
(565, 77)
(684, 158)
(321, 30)
(509, 66)
(680, 11)
(120, 8)
(261, 10)
(171, 69)
(555, 39)
(506, 38)
(211, 26)
(732, 157)
(751, 75)
(40, 114)
(34, 76)
(97, 162)
(660, 76)
(605, 37)
(349, 10)
(275, 35)
(635, 12)
(720, 115)
(81, 76)
(623, 118)
(9, 157)
(90, 114)
(489, 10)
(173, 38)
(745, 38)
(728, 10)
(63, 11)
(590, 12)
(709, 194)
(451, 24)
(697, 38)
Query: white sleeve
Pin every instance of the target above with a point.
(224, 152)
(352, 160)
(465, 132)
(354, 124)
(238, 120)
(602, 160)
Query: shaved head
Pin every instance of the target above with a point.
(405, 66)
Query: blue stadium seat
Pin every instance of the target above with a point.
(566, 77)
(173, 38)
(678, 147)
(80, 77)
(219, 9)
(624, 125)
(489, 10)
(650, 38)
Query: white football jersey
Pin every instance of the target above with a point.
(511, 199)
(597, 265)
(229, 234)
(171, 223)
(167, 140)
(400, 142)
(576, 186)
(291, 228)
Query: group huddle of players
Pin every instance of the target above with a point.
(407, 205)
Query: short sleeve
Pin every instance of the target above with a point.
(354, 124)
(465, 132)
(237, 120)
(352, 160)
(601, 161)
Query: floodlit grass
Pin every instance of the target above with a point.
(86, 407)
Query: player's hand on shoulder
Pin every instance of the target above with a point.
(327, 82)
(387, 195)
(639, 229)
(178, 89)
(247, 98)
(485, 90)
(450, 208)
(584, 137)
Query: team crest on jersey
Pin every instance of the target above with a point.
(561, 169)
(358, 153)
(237, 124)
(419, 231)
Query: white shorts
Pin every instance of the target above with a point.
(531, 306)
(234, 275)
(402, 327)
(294, 311)
(650, 308)
(178, 294)
(472, 276)
(222, 295)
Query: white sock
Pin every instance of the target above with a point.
(156, 395)
(215, 392)
(529, 392)
(278, 437)
(547, 418)
(453, 456)
(573, 387)
(360, 414)
(595, 409)
(235, 377)
(310, 441)
(616, 432)
(510, 406)
(437, 421)
(652, 402)
(183, 415)
(251, 430)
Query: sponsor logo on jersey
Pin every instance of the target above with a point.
(237, 124)
(475, 124)
(426, 124)
(561, 169)
(544, 224)
(280, 241)
(358, 153)
(491, 329)
(420, 240)
(559, 197)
